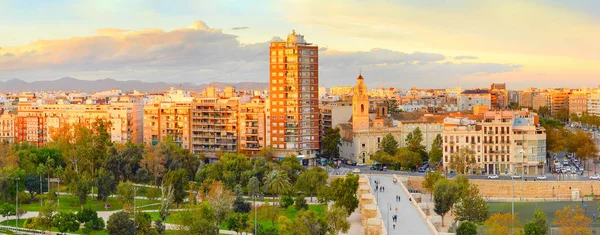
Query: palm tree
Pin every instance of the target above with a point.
(277, 182)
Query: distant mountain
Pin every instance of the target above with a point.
(73, 84)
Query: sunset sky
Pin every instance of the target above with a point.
(433, 44)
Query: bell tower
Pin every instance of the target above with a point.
(360, 105)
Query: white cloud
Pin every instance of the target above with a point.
(199, 54)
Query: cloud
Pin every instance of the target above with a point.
(200, 54)
(240, 28)
(466, 57)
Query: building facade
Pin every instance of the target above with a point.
(294, 83)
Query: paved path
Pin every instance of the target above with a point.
(409, 219)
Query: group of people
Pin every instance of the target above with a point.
(377, 187)
(394, 220)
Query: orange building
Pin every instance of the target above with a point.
(294, 98)
(31, 129)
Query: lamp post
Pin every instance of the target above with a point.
(17, 204)
(523, 178)
(513, 203)
(388, 217)
(134, 205)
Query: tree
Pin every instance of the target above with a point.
(65, 222)
(107, 185)
(86, 214)
(253, 187)
(572, 220)
(166, 200)
(413, 143)
(153, 161)
(471, 207)
(444, 197)
(196, 219)
(538, 225)
(269, 212)
(331, 143)
(44, 218)
(32, 184)
(268, 153)
(462, 160)
(555, 140)
(240, 205)
(337, 220)
(238, 222)
(408, 159)
(277, 182)
(430, 180)
(342, 191)
(543, 111)
(300, 203)
(389, 145)
(467, 228)
(120, 224)
(436, 154)
(125, 194)
(308, 222)
(7, 209)
(285, 225)
(502, 223)
(392, 105)
(143, 224)
(179, 181)
(220, 201)
(291, 165)
(311, 181)
(562, 115)
(384, 158)
(81, 188)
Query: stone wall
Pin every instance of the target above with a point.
(371, 216)
(533, 189)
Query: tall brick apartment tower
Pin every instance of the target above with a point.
(294, 97)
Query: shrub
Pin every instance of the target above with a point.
(286, 202)
(467, 228)
(300, 203)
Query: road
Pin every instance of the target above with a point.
(409, 219)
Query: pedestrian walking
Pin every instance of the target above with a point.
(376, 187)
(394, 225)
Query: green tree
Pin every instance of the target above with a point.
(308, 222)
(268, 212)
(44, 218)
(120, 224)
(467, 228)
(268, 153)
(389, 145)
(143, 224)
(311, 181)
(107, 185)
(220, 201)
(543, 111)
(125, 194)
(65, 222)
(291, 165)
(413, 143)
(408, 159)
(240, 205)
(196, 219)
(436, 154)
(562, 115)
(336, 218)
(81, 187)
(179, 181)
(253, 187)
(277, 182)
(384, 158)
(462, 160)
(430, 180)
(153, 160)
(538, 225)
(471, 207)
(300, 203)
(238, 222)
(392, 105)
(331, 142)
(33, 186)
(342, 191)
(444, 197)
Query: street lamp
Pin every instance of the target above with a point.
(523, 178)
(134, 195)
(388, 217)
(513, 203)
(17, 204)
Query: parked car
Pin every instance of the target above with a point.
(356, 171)
(493, 176)
(595, 177)
(361, 164)
(541, 177)
(516, 176)
(422, 169)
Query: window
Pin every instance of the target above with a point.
(363, 145)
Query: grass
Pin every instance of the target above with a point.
(525, 210)
(71, 203)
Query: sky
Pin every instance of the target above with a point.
(404, 44)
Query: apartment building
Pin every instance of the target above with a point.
(593, 103)
(252, 126)
(577, 103)
(502, 142)
(294, 83)
(7, 127)
(557, 100)
(470, 98)
(31, 129)
(168, 115)
(498, 96)
(214, 126)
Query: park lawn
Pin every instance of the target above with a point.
(71, 203)
(290, 212)
(525, 210)
(156, 215)
(21, 221)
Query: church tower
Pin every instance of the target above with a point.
(360, 105)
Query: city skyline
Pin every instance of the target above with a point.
(408, 44)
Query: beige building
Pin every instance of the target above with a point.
(7, 127)
(577, 103)
(502, 142)
(593, 103)
(214, 126)
(168, 115)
